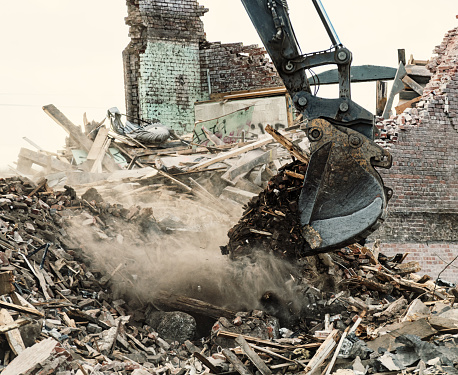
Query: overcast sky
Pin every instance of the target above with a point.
(68, 53)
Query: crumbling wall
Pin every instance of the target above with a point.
(235, 67)
(423, 213)
(168, 65)
(161, 63)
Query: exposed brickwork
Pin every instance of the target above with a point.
(235, 67)
(162, 70)
(424, 176)
(131, 58)
(433, 258)
(167, 62)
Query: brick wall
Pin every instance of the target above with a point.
(168, 62)
(235, 67)
(423, 213)
(161, 63)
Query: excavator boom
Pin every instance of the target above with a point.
(343, 199)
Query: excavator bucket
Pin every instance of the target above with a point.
(343, 199)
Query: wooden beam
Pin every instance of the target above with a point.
(413, 85)
(382, 96)
(292, 148)
(19, 308)
(402, 56)
(336, 353)
(254, 358)
(206, 362)
(192, 305)
(13, 336)
(401, 108)
(247, 166)
(226, 155)
(237, 363)
(231, 335)
(101, 156)
(76, 134)
(17, 323)
(43, 160)
(323, 351)
(98, 144)
(212, 137)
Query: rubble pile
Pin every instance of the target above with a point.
(60, 314)
(71, 310)
(270, 220)
(391, 127)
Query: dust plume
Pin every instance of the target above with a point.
(186, 260)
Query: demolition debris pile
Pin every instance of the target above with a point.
(90, 286)
(352, 309)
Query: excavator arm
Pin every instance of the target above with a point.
(343, 199)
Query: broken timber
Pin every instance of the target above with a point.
(226, 155)
(76, 134)
(237, 363)
(251, 354)
(192, 305)
(292, 148)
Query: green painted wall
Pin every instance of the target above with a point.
(169, 83)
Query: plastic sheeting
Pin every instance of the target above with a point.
(150, 134)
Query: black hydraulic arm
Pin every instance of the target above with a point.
(272, 22)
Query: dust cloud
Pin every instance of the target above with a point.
(185, 260)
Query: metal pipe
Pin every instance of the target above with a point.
(327, 22)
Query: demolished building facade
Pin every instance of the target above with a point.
(169, 66)
(423, 216)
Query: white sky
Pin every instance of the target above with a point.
(68, 53)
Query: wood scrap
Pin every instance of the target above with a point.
(237, 363)
(24, 309)
(292, 148)
(13, 336)
(251, 354)
(226, 155)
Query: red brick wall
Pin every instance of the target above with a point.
(235, 67)
(433, 257)
(423, 213)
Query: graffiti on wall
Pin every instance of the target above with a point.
(229, 128)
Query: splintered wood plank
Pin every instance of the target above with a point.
(43, 160)
(98, 144)
(76, 134)
(413, 85)
(6, 282)
(43, 285)
(30, 357)
(226, 155)
(323, 351)
(401, 108)
(237, 363)
(245, 166)
(206, 362)
(17, 323)
(24, 309)
(254, 358)
(212, 137)
(192, 305)
(97, 167)
(13, 336)
(297, 152)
